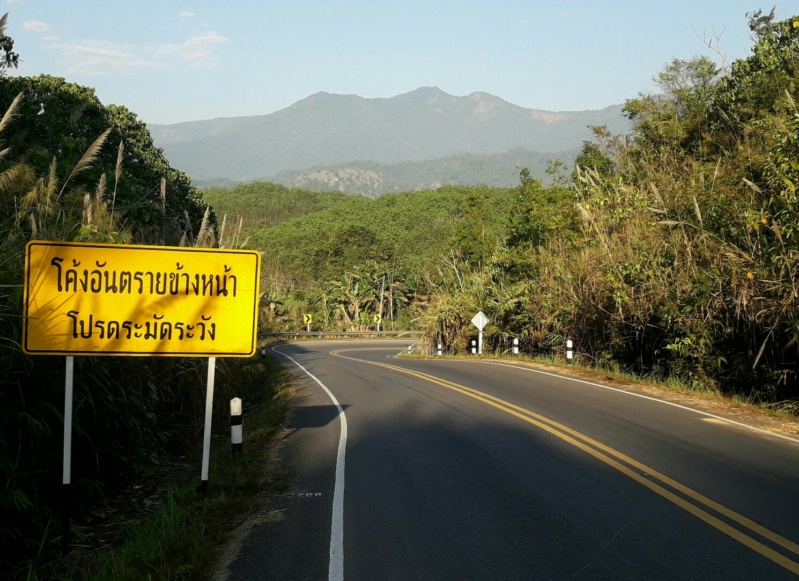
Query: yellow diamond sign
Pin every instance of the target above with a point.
(114, 299)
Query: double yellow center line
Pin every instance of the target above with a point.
(693, 502)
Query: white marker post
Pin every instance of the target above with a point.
(439, 349)
(569, 351)
(236, 428)
(209, 400)
(515, 345)
(480, 321)
(67, 471)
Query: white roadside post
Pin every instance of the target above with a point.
(480, 321)
(515, 345)
(439, 349)
(474, 347)
(569, 352)
(236, 428)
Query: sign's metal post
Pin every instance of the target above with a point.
(209, 400)
(67, 471)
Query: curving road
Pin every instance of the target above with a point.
(452, 469)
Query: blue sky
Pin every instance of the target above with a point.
(171, 61)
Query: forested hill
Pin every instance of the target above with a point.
(374, 179)
(326, 129)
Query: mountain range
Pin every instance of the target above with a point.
(347, 142)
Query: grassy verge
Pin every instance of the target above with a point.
(179, 537)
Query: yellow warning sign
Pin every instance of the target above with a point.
(114, 299)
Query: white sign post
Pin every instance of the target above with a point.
(480, 321)
(67, 467)
(209, 402)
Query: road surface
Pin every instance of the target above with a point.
(463, 469)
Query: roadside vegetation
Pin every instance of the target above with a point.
(670, 253)
(74, 169)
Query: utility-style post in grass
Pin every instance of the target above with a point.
(569, 352)
(236, 429)
(515, 345)
(66, 496)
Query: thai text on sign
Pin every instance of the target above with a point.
(112, 299)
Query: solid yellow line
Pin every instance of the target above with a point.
(561, 431)
(732, 515)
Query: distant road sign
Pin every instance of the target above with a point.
(308, 319)
(377, 318)
(480, 320)
(116, 299)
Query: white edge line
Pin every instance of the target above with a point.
(336, 568)
(622, 391)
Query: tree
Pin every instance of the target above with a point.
(479, 228)
(58, 121)
(539, 214)
(8, 58)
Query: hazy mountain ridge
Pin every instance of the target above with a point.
(330, 130)
(375, 179)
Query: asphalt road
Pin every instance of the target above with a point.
(452, 469)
